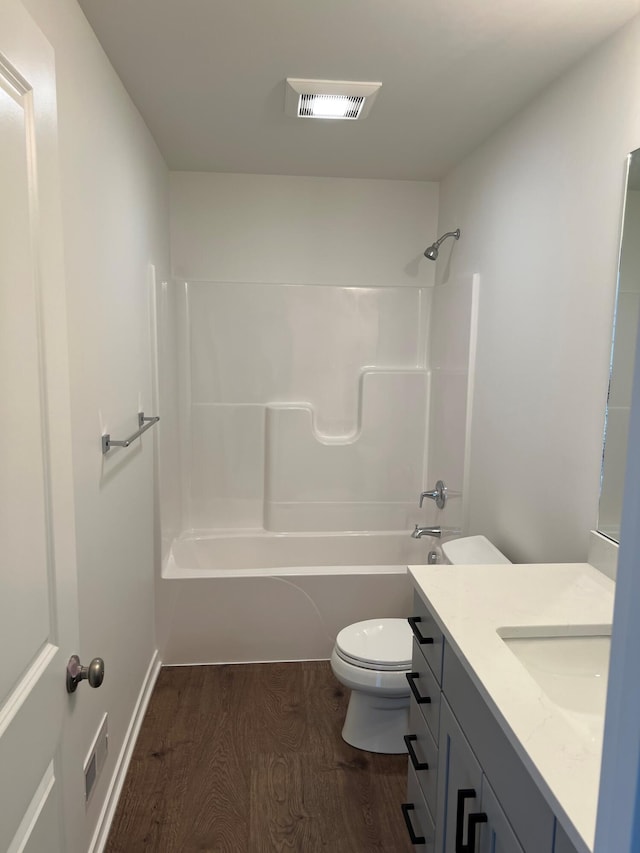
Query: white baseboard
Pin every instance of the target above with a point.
(122, 764)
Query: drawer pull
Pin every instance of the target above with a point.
(421, 700)
(415, 839)
(417, 764)
(424, 641)
(474, 819)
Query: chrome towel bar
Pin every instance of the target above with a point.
(143, 426)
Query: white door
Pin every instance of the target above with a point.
(38, 586)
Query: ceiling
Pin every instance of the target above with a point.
(208, 75)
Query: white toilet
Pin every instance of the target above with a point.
(372, 659)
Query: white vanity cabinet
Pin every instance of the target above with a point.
(468, 791)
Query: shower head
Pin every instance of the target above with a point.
(432, 251)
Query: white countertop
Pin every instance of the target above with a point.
(470, 604)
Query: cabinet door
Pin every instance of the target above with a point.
(459, 785)
(496, 835)
(562, 843)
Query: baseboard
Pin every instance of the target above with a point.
(122, 765)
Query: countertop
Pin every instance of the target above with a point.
(471, 604)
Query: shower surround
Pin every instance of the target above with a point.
(305, 407)
(301, 400)
(303, 421)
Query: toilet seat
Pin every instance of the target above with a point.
(378, 667)
(375, 682)
(384, 645)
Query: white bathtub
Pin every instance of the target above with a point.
(259, 596)
(260, 553)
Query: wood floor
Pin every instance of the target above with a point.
(248, 758)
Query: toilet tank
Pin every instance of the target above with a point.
(472, 550)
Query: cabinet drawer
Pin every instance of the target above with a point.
(425, 751)
(417, 816)
(430, 643)
(528, 812)
(424, 686)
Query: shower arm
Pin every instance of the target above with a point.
(441, 240)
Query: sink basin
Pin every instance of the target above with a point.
(572, 670)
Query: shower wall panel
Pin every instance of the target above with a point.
(371, 476)
(452, 359)
(306, 405)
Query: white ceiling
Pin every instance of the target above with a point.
(208, 75)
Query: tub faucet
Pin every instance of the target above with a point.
(419, 532)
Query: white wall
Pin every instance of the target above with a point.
(290, 230)
(115, 219)
(540, 207)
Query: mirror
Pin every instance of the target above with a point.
(623, 353)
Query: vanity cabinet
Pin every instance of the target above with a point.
(468, 790)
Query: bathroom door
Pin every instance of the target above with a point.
(38, 586)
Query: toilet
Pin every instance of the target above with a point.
(372, 659)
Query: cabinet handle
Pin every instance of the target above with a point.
(421, 700)
(417, 764)
(415, 839)
(474, 819)
(424, 641)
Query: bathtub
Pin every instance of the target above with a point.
(262, 553)
(234, 597)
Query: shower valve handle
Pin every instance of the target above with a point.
(439, 495)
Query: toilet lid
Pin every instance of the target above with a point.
(377, 643)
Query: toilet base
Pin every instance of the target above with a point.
(377, 723)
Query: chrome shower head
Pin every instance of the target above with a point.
(432, 251)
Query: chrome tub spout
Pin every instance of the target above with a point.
(419, 532)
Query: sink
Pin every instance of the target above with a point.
(572, 670)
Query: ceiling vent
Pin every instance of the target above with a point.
(332, 99)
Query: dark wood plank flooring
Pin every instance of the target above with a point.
(249, 759)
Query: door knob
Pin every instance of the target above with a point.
(94, 673)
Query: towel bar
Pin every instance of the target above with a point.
(143, 426)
